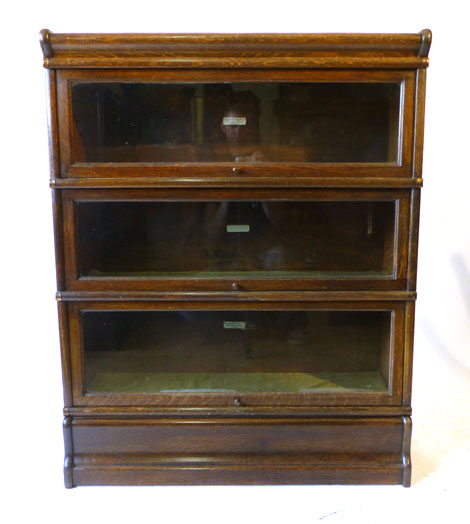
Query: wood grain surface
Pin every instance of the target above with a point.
(246, 438)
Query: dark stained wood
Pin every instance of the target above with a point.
(239, 62)
(192, 75)
(413, 239)
(212, 172)
(125, 412)
(283, 194)
(258, 474)
(228, 182)
(248, 438)
(52, 127)
(64, 110)
(407, 114)
(69, 452)
(425, 45)
(77, 282)
(261, 296)
(409, 342)
(235, 50)
(224, 285)
(57, 213)
(407, 425)
(254, 174)
(54, 169)
(237, 451)
(391, 398)
(45, 42)
(65, 353)
(419, 124)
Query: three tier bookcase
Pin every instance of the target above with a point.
(236, 228)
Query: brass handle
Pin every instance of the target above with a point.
(236, 170)
(235, 286)
(237, 402)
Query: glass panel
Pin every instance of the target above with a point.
(236, 351)
(238, 238)
(236, 122)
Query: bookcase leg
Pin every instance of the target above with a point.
(407, 451)
(68, 445)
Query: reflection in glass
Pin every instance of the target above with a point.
(251, 351)
(236, 351)
(236, 122)
(259, 238)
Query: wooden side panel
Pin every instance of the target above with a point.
(65, 353)
(68, 448)
(419, 124)
(413, 239)
(408, 353)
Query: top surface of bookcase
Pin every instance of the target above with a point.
(386, 51)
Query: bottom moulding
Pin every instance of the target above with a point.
(147, 451)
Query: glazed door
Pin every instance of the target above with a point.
(208, 123)
(243, 240)
(242, 354)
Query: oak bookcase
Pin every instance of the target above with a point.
(236, 229)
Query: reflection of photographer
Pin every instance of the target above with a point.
(248, 236)
(258, 247)
(240, 125)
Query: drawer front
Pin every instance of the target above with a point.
(236, 354)
(240, 451)
(253, 239)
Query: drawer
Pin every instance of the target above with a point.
(236, 355)
(239, 451)
(246, 240)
